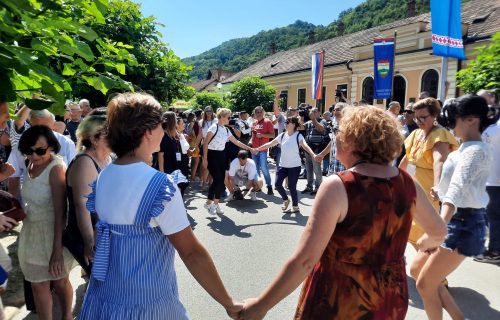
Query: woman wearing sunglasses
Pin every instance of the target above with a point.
(290, 142)
(42, 258)
(462, 191)
(426, 150)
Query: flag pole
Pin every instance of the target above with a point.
(393, 64)
(442, 80)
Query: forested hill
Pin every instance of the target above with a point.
(237, 54)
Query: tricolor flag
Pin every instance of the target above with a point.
(317, 74)
(447, 29)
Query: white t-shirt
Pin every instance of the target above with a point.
(491, 136)
(246, 172)
(118, 182)
(67, 152)
(290, 153)
(204, 127)
(221, 136)
(464, 175)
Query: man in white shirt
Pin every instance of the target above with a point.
(244, 127)
(16, 159)
(243, 173)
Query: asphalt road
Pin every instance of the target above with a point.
(252, 240)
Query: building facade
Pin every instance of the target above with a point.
(349, 60)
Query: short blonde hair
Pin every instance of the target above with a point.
(90, 127)
(222, 112)
(373, 135)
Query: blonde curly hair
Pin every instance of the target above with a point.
(373, 135)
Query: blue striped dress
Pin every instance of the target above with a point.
(133, 274)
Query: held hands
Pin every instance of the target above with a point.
(234, 310)
(434, 194)
(317, 158)
(252, 310)
(6, 223)
(425, 244)
(254, 151)
(88, 253)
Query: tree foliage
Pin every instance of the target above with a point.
(45, 50)
(484, 71)
(204, 99)
(237, 54)
(159, 71)
(251, 92)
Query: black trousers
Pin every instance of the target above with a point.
(217, 167)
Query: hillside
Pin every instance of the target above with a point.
(237, 54)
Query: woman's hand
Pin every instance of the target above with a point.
(56, 264)
(434, 194)
(252, 310)
(234, 310)
(88, 253)
(6, 223)
(425, 244)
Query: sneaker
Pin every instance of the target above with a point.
(489, 257)
(270, 190)
(253, 196)
(307, 190)
(206, 205)
(294, 209)
(212, 209)
(285, 205)
(218, 210)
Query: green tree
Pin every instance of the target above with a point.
(44, 50)
(204, 99)
(251, 92)
(484, 71)
(159, 71)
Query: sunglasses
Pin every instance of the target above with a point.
(422, 118)
(408, 111)
(38, 151)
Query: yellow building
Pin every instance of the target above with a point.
(349, 60)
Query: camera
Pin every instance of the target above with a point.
(238, 194)
(340, 92)
(232, 122)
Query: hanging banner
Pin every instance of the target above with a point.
(317, 75)
(383, 62)
(447, 29)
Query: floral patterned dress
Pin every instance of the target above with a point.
(361, 274)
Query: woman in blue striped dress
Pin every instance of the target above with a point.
(142, 222)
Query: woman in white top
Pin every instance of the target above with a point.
(214, 157)
(289, 166)
(205, 124)
(142, 214)
(462, 191)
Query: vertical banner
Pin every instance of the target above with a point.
(383, 62)
(317, 74)
(447, 29)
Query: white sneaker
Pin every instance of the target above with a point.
(206, 206)
(218, 210)
(212, 209)
(253, 196)
(285, 205)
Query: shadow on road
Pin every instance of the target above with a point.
(247, 206)
(227, 227)
(473, 304)
(414, 299)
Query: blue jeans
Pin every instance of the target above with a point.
(313, 169)
(278, 157)
(260, 160)
(493, 213)
(293, 177)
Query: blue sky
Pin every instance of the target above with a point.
(192, 27)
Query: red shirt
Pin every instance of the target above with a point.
(263, 126)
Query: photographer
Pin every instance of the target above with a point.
(243, 173)
(315, 135)
(244, 127)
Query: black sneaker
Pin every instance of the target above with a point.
(307, 190)
(489, 257)
(270, 190)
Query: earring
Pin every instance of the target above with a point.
(435, 123)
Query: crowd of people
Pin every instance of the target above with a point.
(428, 175)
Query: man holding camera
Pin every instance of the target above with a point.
(243, 173)
(244, 127)
(315, 136)
(262, 132)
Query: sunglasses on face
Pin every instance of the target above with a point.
(422, 118)
(408, 111)
(38, 151)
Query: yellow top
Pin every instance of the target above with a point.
(419, 153)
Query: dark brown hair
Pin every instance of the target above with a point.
(31, 136)
(130, 115)
(295, 122)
